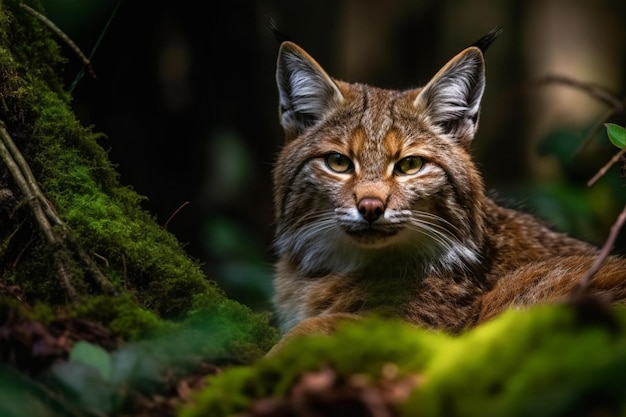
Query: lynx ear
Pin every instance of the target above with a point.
(305, 91)
(451, 100)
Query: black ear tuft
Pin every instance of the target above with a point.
(279, 35)
(484, 42)
(451, 99)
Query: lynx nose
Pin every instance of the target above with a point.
(371, 208)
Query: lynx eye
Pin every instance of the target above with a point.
(338, 162)
(409, 165)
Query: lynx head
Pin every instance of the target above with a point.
(368, 175)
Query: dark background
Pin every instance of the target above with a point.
(185, 94)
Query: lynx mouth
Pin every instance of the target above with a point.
(371, 236)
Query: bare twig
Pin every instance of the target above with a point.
(56, 232)
(595, 129)
(54, 28)
(606, 167)
(13, 233)
(604, 253)
(105, 260)
(101, 279)
(616, 104)
(80, 74)
(596, 91)
(175, 213)
(31, 182)
(36, 207)
(24, 184)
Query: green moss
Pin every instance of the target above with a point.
(77, 177)
(542, 362)
(108, 217)
(547, 361)
(148, 266)
(122, 315)
(27, 54)
(362, 348)
(227, 395)
(237, 333)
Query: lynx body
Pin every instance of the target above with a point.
(381, 209)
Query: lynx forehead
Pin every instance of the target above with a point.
(380, 208)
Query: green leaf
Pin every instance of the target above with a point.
(22, 396)
(84, 388)
(617, 134)
(92, 355)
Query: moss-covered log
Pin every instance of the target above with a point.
(547, 361)
(69, 230)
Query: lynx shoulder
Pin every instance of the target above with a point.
(380, 208)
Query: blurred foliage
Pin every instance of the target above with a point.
(237, 258)
(567, 202)
(21, 396)
(545, 361)
(95, 381)
(76, 15)
(240, 267)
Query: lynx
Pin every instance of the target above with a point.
(380, 208)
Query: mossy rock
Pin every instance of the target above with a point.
(152, 276)
(546, 361)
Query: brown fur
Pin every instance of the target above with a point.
(440, 254)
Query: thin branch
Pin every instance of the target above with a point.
(606, 167)
(13, 233)
(105, 260)
(36, 208)
(54, 28)
(61, 261)
(595, 128)
(101, 279)
(175, 213)
(596, 91)
(604, 253)
(80, 74)
(602, 94)
(24, 185)
(59, 235)
(31, 182)
(617, 105)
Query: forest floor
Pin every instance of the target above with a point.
(32, 347)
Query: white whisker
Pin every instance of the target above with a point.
(453, 251)
(444, 223)
(431, 232)
(319, 240)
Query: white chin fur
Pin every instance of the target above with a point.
(341, 253)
